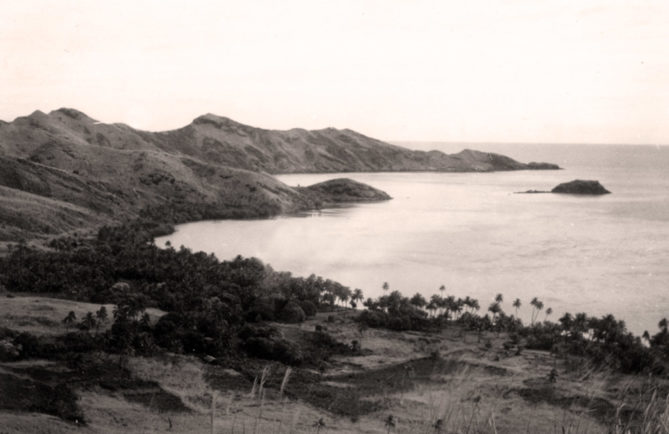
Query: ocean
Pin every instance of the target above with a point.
(471, 233)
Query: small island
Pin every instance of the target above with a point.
(579, 186)
(341, 190)
(533, 165)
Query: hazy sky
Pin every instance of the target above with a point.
(526, 71)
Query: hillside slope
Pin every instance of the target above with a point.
(64, 171)
(222, 141)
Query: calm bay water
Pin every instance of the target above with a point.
(471, 233)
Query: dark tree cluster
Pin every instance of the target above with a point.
(207, 302)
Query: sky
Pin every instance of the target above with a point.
(552, 71)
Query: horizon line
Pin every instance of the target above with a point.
(494, 142)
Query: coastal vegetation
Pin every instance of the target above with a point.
(237, 314)
(604, 341)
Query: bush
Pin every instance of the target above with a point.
(372, 318)
(291, 313)
(273, 349)
(9, 351)
(262, 309)
(309, 308)
(400, 321)
(257, 331)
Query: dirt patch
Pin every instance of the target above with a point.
(342, 401)
(223, 379)
(601, 409)
(361, 393)
(155, 398)
(92, 373)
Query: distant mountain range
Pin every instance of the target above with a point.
(64, 170)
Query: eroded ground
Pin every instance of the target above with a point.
(447, 382)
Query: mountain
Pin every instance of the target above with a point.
(65, 170)
(222, 141)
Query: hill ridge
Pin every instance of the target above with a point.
(224, 166)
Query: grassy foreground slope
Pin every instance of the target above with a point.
(444, 382)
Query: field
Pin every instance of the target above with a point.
(452, 381)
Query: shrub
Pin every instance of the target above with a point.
(291, 313)
(273, 349)
(262, 309)
(309, 308)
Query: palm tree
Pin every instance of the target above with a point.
(101, 314)
(70, 318)
(431, 306)
(357, 295)
(344, 294)
(499, 298)
(567, 322)
(327, 298)
(457, 308)
(89, 321)
(442, 288)
(385, 286)
(390, 423)
(549, 311)
(494, 308)
(535, 306)
(450, 304)
(467, 303)
(540, 306)
(418, 301)
(445, 306)
(320, 423)
(580, 324)
(437, 302)
(517, 304)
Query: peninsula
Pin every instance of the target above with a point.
(64, 171)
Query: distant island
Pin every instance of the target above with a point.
(577, 186)
(65, 171)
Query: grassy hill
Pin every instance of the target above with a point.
(63, 136)
(64, 171)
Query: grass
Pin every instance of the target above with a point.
(429, 383)
(44, 315)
